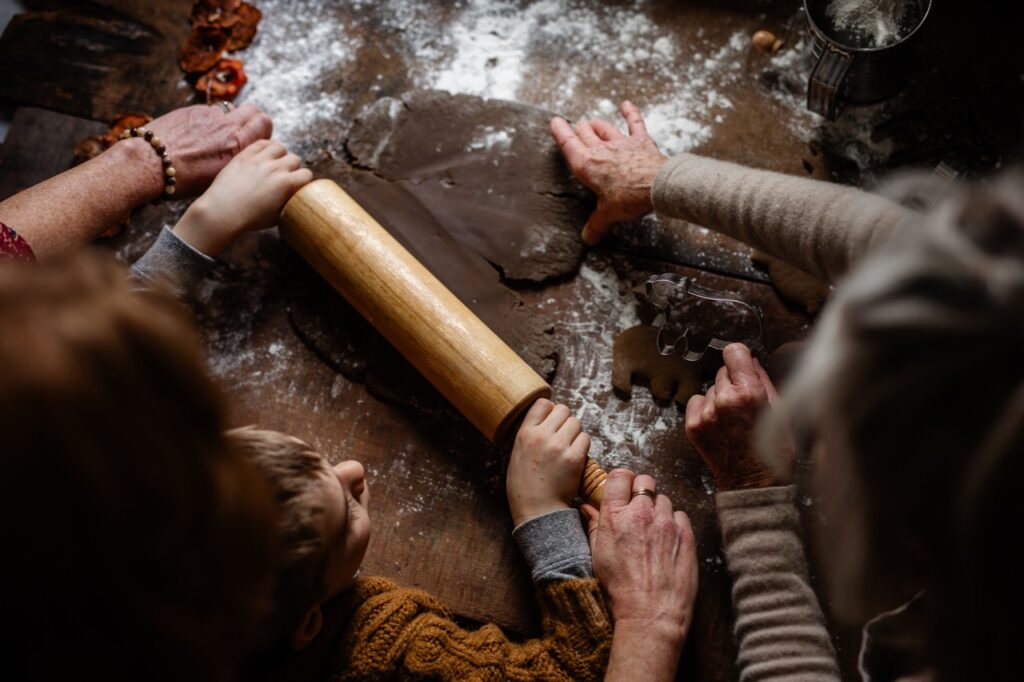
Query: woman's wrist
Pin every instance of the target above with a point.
(138, 168)
(760, 479)
(665, 632)
(646, 175)
(647, 650)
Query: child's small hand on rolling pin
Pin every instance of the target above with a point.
(247, 195)
(547, 462)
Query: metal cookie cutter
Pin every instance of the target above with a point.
(688, 311)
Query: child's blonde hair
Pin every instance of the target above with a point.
(294, 470)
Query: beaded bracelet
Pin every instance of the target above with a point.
(169, 173)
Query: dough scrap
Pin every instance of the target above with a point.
(793, 284)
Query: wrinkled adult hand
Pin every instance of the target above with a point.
(620, 169)
(547, 462)
(203, 139)
(645, 557)
(721, 424)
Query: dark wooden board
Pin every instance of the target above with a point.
(97, 59)
(39, 145)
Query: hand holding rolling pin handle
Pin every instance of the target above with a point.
(592, 484)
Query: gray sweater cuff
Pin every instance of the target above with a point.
(555, 546)
(665, 194)
(173, 263)
(779, 624)
(753, 498)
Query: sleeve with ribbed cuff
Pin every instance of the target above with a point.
(819, 227)
(555, 546)
(779, 625)
(173, 263)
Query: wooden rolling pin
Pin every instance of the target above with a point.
(467, 362)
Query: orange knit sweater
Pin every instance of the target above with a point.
(381, 631)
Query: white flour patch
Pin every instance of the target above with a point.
(490, 138)
(498, 49)
(296, 49)
(875, 23)
(623, 431)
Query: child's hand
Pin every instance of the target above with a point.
(247, 195)
(547, 462)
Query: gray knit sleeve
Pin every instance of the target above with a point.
(173, 263)
(555, 546)
(819, 227)
(779, 625)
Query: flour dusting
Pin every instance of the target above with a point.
(308, 54)
(496, 49)
(624, 432)
(488, 137)
(297, 49)
(871, 23)
(499, 49)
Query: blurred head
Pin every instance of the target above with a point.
(324, 525)
(913, 389)
(134, 538)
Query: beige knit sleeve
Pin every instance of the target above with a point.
(820, 227)
(779, 626)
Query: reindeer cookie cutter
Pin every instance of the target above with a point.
(681, 304)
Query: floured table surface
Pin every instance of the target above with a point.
(438, 504)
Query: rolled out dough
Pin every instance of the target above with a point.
(478, 192)
(488, 171)
(794, 285)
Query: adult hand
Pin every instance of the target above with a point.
(547, 461)
(620, 169)
(202, 139)
(721, 424)
(645, 557)
(247, 195)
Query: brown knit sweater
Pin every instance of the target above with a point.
(380, 631)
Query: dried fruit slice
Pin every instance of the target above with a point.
(203, 47)
(122, 123)
(223, 81)
(215, 13)
(244, 30)
(90, 148)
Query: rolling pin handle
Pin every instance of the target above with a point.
(592, 484)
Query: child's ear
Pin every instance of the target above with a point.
(307, 631)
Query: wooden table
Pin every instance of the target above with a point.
(440, 520)
(438, 505)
